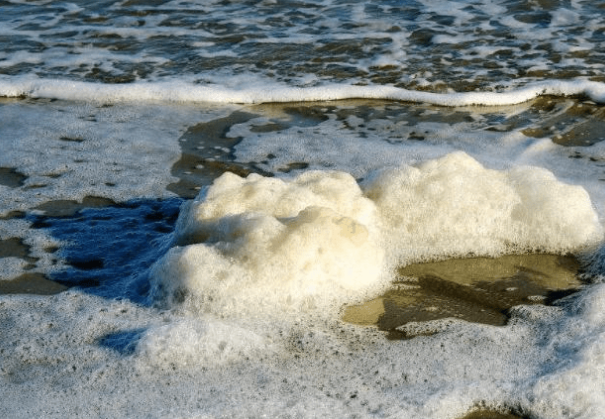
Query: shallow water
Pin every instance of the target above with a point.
(480, 290)
(137, 280)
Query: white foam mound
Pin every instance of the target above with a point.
(453, 206)
(263, 246)
(264, 92)
(260, 245)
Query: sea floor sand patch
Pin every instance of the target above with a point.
(427, 296)
(31, 283)
(67, 207)
(10, 177)
(206, 153)
(489, 414)
(569, 122)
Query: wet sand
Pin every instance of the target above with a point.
(480, 290)
(31, 283)
(488, 414)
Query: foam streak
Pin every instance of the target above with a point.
(266, 93)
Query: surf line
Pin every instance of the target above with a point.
(184, 92)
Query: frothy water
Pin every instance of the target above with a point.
(215, 194)
(417, 44)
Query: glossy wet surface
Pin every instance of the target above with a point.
(479, 290)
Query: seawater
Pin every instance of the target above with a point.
(202, 188)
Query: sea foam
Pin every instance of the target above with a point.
(266, 247)
(265, 92)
